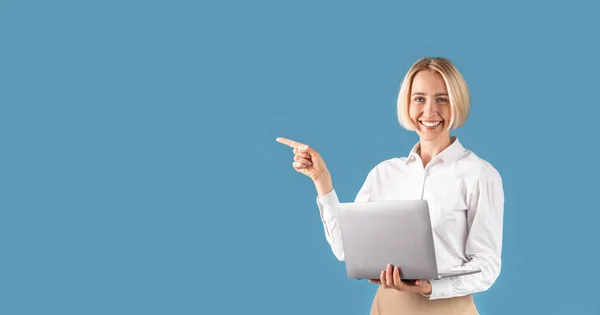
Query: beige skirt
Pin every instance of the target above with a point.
(391, 301)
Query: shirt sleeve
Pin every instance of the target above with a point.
(328, 206)
(484, 242)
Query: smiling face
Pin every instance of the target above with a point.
(429, 107)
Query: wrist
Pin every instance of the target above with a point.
(323, 185)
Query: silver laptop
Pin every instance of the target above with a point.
(375, 234)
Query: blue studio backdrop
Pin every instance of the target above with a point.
(139, 172)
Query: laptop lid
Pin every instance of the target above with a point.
(378, 233)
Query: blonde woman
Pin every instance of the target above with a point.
(464, 193)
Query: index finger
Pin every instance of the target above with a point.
(290, 143)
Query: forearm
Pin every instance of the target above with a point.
(328, 203)
(468, 284)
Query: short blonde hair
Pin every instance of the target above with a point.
(458, 91)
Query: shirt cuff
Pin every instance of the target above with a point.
(327, 205)
(441, 289)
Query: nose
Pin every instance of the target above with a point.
(430, 108)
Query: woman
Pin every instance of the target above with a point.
(464, 193)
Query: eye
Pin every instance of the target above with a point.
(442, 100)
(419, 99)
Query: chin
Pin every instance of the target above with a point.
(430, 135)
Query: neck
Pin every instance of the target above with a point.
(431, 148)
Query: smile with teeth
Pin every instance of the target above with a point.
(430, 123)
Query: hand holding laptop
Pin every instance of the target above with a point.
(390, 279)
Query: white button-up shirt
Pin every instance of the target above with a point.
(466, 203)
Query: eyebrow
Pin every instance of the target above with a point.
(437, 94)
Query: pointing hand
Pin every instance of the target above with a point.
(306, 160)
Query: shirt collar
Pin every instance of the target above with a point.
(448, 155)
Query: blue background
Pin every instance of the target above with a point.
(139, 172)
